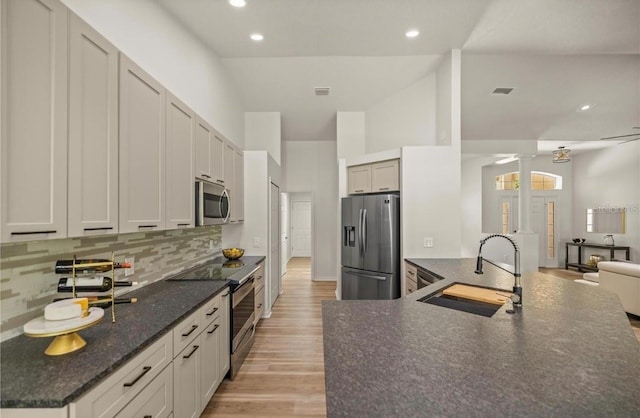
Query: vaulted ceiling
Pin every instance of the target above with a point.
(556, 54)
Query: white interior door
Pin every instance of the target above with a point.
(274, 240)
(301, 228)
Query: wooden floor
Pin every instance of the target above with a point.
(284, 372)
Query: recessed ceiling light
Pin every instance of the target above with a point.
(237, 3)
(257, 36)
(585, 107)
(412, 33)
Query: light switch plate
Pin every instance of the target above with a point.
(256, 242)
(428, 242)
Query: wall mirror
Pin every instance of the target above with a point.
(609, 220)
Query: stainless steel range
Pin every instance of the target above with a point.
(242, 316)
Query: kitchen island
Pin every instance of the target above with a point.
(31, 379)
(569, 351)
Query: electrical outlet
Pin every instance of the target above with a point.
(130, 270)
(506, 257)
(428, 242)
(256, 242)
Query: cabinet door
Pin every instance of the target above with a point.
(93, 132)
(229, 181)
(204, 144)
(34, 119)
(217, 159)
(142, 149)
(186, 381)
(210, 359)
(225, 336)
(385, 176)
(179, 178)
(238, 187)
(359, 179)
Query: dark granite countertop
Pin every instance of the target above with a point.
(31, 379)
(570, 351)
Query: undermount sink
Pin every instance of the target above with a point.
(477, 300)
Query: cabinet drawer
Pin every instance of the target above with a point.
(121, 387)
(187, 331)
(210, 311)
(259, 277)
(410, 286)
(155, 400)
(259, 305)
(411, 272)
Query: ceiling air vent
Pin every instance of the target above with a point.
(321, 91)
(503, 90)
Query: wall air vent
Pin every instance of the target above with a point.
(502, 90)
(321, 91)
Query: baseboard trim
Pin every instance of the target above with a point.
(324, 279)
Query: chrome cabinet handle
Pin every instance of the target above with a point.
(145, 370)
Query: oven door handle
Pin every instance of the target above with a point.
(242, 291)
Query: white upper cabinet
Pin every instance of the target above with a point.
(203, 147)
(218, 160)
(142, 149)
(179, 203)
(385, 176)
(93, 132)
(229, 151)
(34, 119)
(359, 179)
(237, 203)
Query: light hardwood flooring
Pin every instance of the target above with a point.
(572, 275)
(284, 372)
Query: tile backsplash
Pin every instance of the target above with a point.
(28, 281)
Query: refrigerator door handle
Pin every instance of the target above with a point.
(368, 276)
(360, 233)
(364, 231)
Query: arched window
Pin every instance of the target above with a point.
(539, 181)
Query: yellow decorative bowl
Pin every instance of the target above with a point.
(233, 253)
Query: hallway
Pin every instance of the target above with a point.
(284, 372)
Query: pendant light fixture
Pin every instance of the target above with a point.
(561, 155)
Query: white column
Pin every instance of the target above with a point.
(524, 193)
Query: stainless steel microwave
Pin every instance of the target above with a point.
(212, 204)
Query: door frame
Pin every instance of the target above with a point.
(310, 196)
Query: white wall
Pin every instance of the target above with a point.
(263, 132)
(471, 203)
(350, 134)
(403, 119)
(311, 166)
(444, 101)
(608, 178)
(431, 201)
(168, 51)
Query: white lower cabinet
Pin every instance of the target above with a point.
(202, 364)
(175, 376)
(186, 381)
(155, 400)
(123, 386)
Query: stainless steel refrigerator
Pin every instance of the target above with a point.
(371, 247)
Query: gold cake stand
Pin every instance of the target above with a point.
(66, 331)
